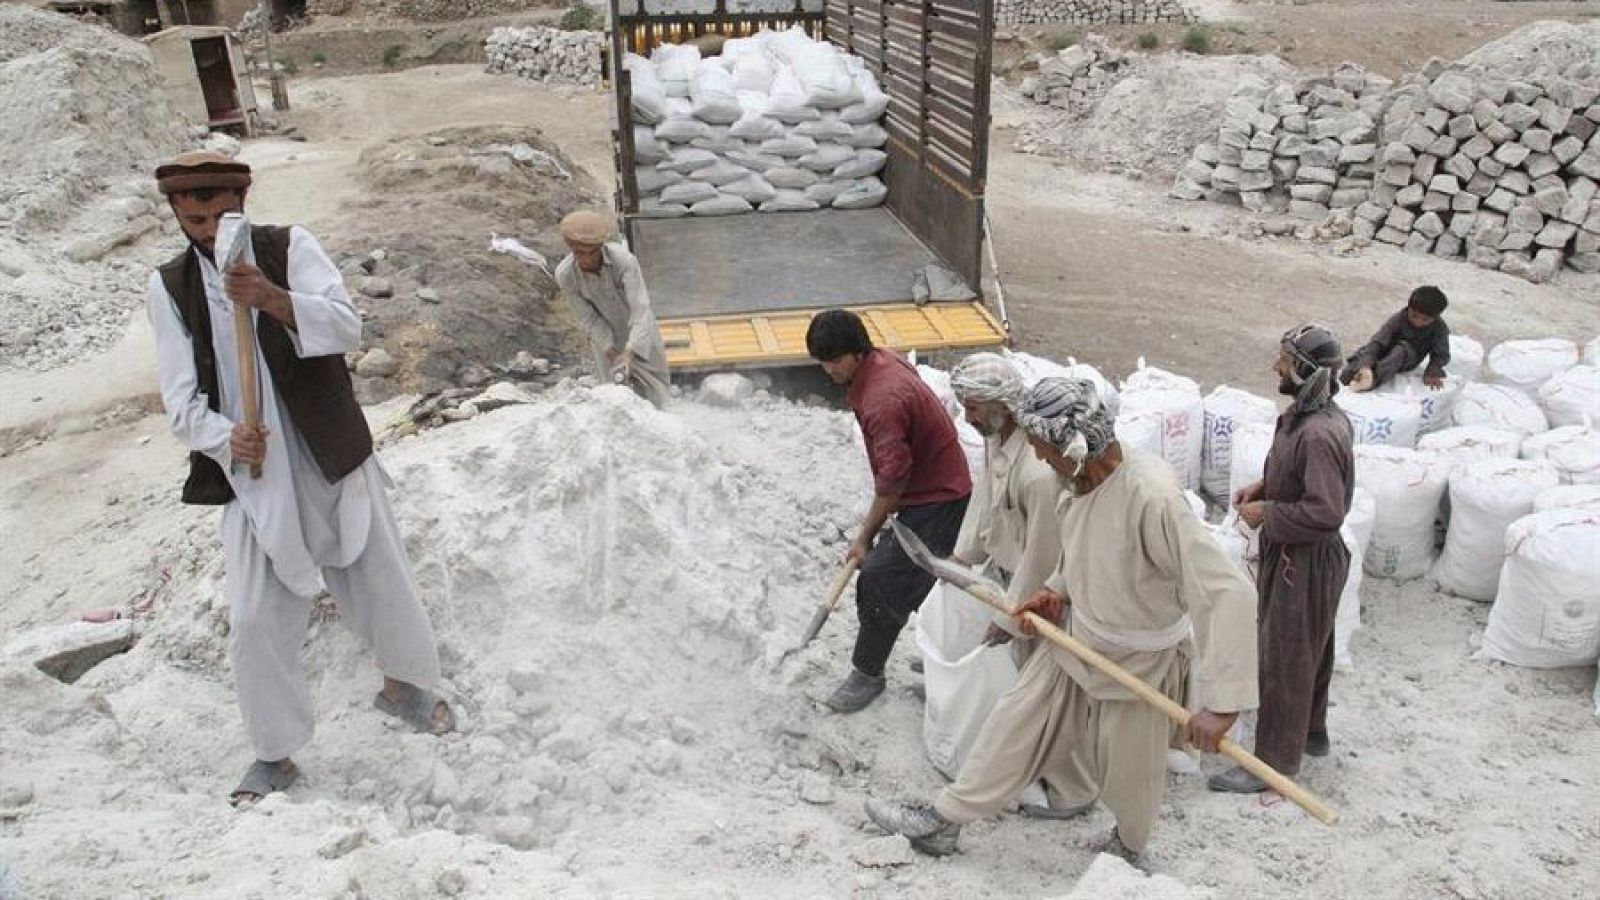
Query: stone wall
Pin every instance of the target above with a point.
(1091, 12)
(546, 54)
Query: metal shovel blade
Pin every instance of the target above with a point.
(233, 235)
(944, 569)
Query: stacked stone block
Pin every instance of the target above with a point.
(1091, 12)
(549, 55)
(1077, 77)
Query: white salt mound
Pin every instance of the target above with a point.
(1111, 878)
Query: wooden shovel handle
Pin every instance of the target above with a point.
(244, 336)
(840, 582)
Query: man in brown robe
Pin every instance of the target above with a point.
(1299, 506)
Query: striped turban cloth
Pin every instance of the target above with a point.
(987, 378)
(1059, 411)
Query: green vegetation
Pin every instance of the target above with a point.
(582, 17)
(319, 58)
(1060, 39)
(1149, 40)
(391, 55)
(1197, 40)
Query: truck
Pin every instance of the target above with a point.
(739, 291)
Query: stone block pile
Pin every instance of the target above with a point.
(550, 55)
(1077, 77)
(1453, 161)
(1091, 12)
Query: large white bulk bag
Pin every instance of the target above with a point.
(1472, 443)
(1572, 397)
(1591, 353)
(1500, 406)
(1547, 612)
(1252, 442)
(1226, 409)
(1234, 538)
(1036, 368)
(1394, 420)
(938, 381)
(1437, 406)
(1485, 498)
(1466, 358)
(1406, 486)
(1525, 365)
(1140, 430)
(1574, 451)
(649, 97)
(1357, 533)
(1183, 416)
(962, 678)
(1566, 496)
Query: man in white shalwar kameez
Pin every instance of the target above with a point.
(1138, 580)
(294, 529)
(605, 288)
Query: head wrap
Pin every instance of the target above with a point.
(200, 170)
(1067, 413)
(585, 227)
(987, 378)
(1313, 357)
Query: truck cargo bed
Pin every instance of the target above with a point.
(768, 262)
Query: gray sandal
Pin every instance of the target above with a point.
(261, 779)
(416, 707)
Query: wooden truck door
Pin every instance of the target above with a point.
(932, 57)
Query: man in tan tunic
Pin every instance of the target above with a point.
(605, 288)
(1011, 527)
(1141, 582)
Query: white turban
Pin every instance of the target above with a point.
(987, 378)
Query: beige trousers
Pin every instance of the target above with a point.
(1047, 727)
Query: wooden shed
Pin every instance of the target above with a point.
(206, 75)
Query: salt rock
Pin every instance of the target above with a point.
(451, 882)
(816, 789)
(65, 652)
(444, 789)
(501, 393)
(662, 757)
(340, 842)
(377, 363)
(377, 288)
(523, 677)
(884, 852)
(226, 144)
(725, 389)
(427, 295)
(16, 794)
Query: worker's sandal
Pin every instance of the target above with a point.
(928, 831)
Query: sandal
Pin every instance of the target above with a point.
(417, 708)
(261, 779)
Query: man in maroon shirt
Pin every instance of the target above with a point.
(918, 472)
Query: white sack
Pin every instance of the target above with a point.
(861, 164)
(719, 140)
(651, 180)
(788, 178)
(1547, 612)
(714, 94)
(972, 446)
(1500, 406)
(720, 173)
(1247, 462)
(1472, 443)
(751, 71)
(1574, 451)
(1226, 409)
(682, 130)
(867, 136)
(1525, 365)
(756, 162)
(1036, 368)
(961, 677)
(825, 192)
(787, 102)
(824, 78)
(1466, 358)
(1568, 496)
(675, 66)
(1182, 412)
(789, 200)
(756, 127)
(688, 192)
(790, 145)
(721, 205)
(655, 209)
(752, 188)
(1572, 397)
(647, 149)
(1394, 420)
(1591, 353)
(826, 157)
(1357, 533)
(864, 193)
(649, 97)
(1140, 429)
(873, 101)
(1406, 486)
(1485, 498)
(1438, 406)
(828, 128)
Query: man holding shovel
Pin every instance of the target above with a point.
(1137, 577)
(288, 456)
(605, 288)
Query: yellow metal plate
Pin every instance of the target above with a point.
(779, 338)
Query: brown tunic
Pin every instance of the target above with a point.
(1308, 483)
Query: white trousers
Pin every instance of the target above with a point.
(376, 596)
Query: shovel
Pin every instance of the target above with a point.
(990, 593)
(829, 605)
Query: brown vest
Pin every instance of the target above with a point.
(317, 391)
